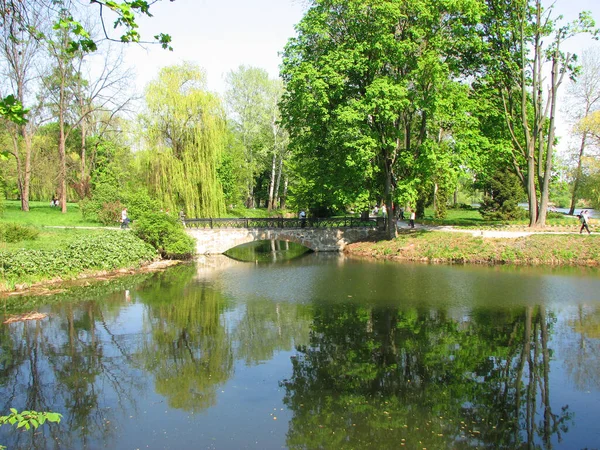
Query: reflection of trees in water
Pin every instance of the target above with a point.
(372, 378)
(267, 251)
(582, 355)
(267, 327)
(192, 343)
(59, 365)
(188, 348)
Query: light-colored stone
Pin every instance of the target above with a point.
(217, 241)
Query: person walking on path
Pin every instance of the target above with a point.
(124, 219)
(583, 218)
(412, 219)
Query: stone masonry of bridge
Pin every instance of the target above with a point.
(217, 241)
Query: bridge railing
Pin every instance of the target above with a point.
(279, 222)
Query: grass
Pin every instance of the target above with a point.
(50, 239)
(435, 246)
(41, 214)
(471, 218)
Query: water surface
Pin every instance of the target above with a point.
(314, 352)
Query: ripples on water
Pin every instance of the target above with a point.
(314, 352)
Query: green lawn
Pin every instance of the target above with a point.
(51, 239)
(41, 214)
(471, 218)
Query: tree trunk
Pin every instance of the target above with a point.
(27, 169)
(578, 173)
(390, 226)
(278, 182)
(271, 200)
(284, 195)
(62, 168)
(83, 150)
(455, 199)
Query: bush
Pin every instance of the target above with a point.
(105, 193)
(139, 203)
(166, 234)
(110, 213)
(105, 251)
(12, 232)
(501, 199)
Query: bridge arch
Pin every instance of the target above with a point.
(219, 240)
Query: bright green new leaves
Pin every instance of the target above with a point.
(185, 131)
(366, 103)
(11, 109)
(126, 17)
(28, 419)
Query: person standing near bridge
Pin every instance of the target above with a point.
(302, 217)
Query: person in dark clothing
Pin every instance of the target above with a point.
(583, 218)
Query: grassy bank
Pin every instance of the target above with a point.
(444, 247)
(67, 254)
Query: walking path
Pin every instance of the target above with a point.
(479, 233)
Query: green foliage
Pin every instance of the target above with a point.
(11, 109)
(139, 203)
(502, 196)
(13, 232)
(110, 213)
(28, 419)
(166, 234)
(103, 251)
(100, 207)
(185, 133)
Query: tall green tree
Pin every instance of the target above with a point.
(364, 83)
(19, 51)
(184, 132)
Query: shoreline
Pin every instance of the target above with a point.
(481, 248)
(45, 287)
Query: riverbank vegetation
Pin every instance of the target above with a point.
(105, 251)
(448, 247)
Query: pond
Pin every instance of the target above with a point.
(319, 351)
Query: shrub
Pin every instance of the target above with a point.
(166, 234)
(501, 200)
(105, 251)
(105, 193)
(110, 213)
(12, 232)
(139, 203)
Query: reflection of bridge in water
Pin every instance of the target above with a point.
(215, 236)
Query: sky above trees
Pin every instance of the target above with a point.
(221, 36)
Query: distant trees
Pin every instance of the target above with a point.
(252, 101)
(32, 33)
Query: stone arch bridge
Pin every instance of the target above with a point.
(216, 236)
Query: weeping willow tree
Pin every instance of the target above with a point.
(184, 129)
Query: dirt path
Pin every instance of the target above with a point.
(507, 234)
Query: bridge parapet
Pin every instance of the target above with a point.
(326, 235)
(280, 222)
